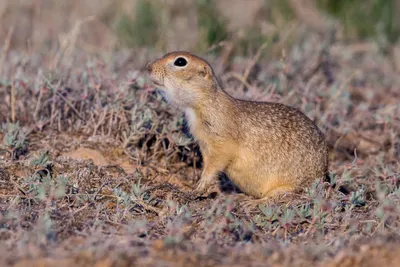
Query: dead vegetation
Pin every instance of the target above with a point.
(96, 170)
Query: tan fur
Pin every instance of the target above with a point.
(265, 148)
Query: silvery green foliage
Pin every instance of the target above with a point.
(14, 139)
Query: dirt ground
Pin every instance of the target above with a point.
(97, 170)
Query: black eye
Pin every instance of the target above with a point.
(180, 62)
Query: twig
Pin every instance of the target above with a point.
(69, 42)
(12, 101)
(63, 98)
(6, 46)
(252, 63)
(101, 118)
(19, 188)
(241, 78)
(9, 195)
(147, 206)
(79, 210)
(137, 201)
(36, 114)
(215, 46)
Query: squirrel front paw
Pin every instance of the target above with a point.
(205, 187)
(201, 187)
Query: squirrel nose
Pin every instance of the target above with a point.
(149, 67)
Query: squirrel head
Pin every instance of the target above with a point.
(183, 78)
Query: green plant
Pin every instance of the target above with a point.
(270, 212)
(316, 189)
(252, 40)
(139, 192)
(304, 211)
(369, 19)
(357, 198)
(141, 30)
(319, 213)
(277, 11)
(41, 161)
(46, 187)
(14, 140)
(287, 217)
(137, 195)
(212, 25)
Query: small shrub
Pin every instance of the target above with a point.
(14, 140)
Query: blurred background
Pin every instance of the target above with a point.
(107, 25)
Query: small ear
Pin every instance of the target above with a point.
(206, 72)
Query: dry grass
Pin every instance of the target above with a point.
(97, 169)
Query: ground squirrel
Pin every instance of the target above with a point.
(265, 148)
